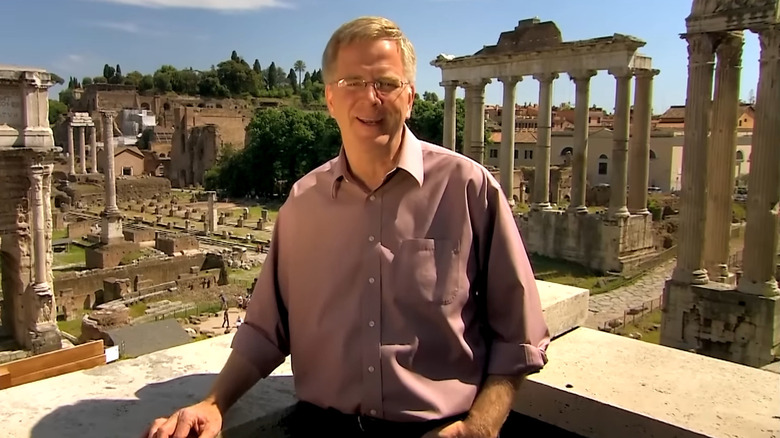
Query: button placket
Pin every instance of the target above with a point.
(372, 376)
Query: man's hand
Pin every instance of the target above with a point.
(459, 429)
(203, 420)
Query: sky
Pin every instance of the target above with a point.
(77, 37)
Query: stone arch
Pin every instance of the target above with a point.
(219, 105)
(201, 105)
(166, 106)
(740, 156)
(652, 154)
(145, 106)
(567, 150)
(603, 157)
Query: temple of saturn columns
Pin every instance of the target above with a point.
(26, 147)
(623, 237)
(81, 123)
(705, 308)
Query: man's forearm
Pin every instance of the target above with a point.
(492, 404)
(235, 379)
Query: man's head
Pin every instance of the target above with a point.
(369, 67)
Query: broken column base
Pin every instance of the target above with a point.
(109, 255)
(111, 228)
(45, 338)
(716, 320)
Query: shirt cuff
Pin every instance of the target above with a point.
(509, 359)
(255, 347)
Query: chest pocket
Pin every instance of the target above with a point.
(427, 270)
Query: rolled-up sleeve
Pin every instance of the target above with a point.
(518, 333)
(263, 338)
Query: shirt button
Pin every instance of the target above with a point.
(372, 198)
(371, 323)
(371, 280)
(370, 369)
(370, 238)
(372, 412)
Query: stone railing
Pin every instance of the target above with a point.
(595, 384)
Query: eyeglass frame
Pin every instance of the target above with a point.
(341, 83)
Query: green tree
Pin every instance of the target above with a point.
(299, 67)
(234, 56)
(134, 78)
(66, 97)
(86, 80)
(427, 121)
(272, 77)
(210, 86)
(117, 78)
(237, 77)
(257, 68)
(99, 80)
(185, 81)
(292, 79)
(56, 109)
(430, 96)
(108, 72)
(147, 83)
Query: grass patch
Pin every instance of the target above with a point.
(646, 326)
(137, 310)
(244, 275)
(739, 211)
(573, 274)
(75, 254)
(59, 234)
(73, 326)
(130, 257)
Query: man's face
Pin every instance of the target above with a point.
(365, 115)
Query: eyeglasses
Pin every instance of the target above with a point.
(382, 86)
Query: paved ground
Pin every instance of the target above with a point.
(611, 304)
(214, 324)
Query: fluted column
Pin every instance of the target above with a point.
(467, 120)
(477, 151)
(39, 227)
(618, 172)
(108, 165)
(507, 153)
(722, 155)
(93, 148)
(450, 114)
(639, 161)
(83, 149)
(693, 202)
(71, 155)
(541, 199)
(579, 181)
(761, 233)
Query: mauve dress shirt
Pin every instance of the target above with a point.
(396, 303)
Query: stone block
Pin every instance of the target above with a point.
(139, 235)
(564, 307)
(240, 222)
(108, 255)
(172, 244)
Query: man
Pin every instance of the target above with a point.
(396, 277)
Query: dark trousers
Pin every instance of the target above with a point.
(306, 420)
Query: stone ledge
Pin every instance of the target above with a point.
(647, 390)
(564, 307)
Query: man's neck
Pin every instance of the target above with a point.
(371, 166)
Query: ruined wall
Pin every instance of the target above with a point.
(81, 290)
(560, 183)
(144, 188)
(588, 239)
(171, 244)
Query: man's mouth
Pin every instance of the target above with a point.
(370, 122)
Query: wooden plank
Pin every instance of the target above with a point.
(79, 365)
(53, 359)
(5, 378)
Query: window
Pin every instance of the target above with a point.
(740, 156)
(494, 153)
(652, 154)
(567, 150)
(128, 171)
(528, 154)
(516, 154)
(603, 164)
(740, 123)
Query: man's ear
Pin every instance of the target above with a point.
(412, 92)
(329, 99)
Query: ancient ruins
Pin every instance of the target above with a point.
(706, 309)
(623, 237)
(26, 146)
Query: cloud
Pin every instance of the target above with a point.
(127, 27)
(219, 5)
(70, 62)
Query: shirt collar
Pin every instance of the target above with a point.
(410, 160)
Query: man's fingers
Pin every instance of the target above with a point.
(152, 429)
(184, 423)
(210, 431)
(167, 428)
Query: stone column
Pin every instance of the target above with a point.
(71, 155)
(478, 121)
(42, 328)
(450, 114)
(579, 180)
(467, 120)
(693, 201)
(108, 165)
(211, 214)
(507, 153)
(761, 233)
(541, 195)
(93, 148)
(618, 172)
(640, 142)
(722, 156)
(83, 149)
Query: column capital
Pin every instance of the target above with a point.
(621, 72)
(769, 40)
(646, 73)
(581, 75)
(446, 84)
(546, 77)
(108, 114)
(510, 79)
(701, 48)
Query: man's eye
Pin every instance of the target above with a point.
(388, 85)
(354, 83)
